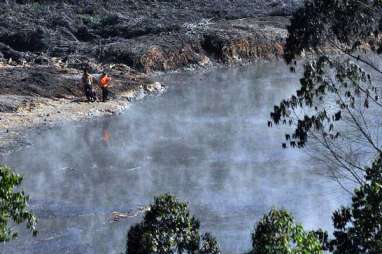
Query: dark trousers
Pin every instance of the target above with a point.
(90, 96)
(105, 93)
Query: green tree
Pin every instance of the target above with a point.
(339, 95)
(277, 233)
(13, 205)
(358, 228)
(167, 228)
(209, 245)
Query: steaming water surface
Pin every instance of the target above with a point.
(206, 141)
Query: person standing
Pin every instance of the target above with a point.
(104, 83)
(87, 83)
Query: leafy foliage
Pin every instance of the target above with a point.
(13, 205)
(209, 245)
(330, 106)
(335, 90)
(358, 229)
(329, 89)
(277, 233)
(168, 227)
(318, 22)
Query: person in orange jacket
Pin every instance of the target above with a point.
(104, 83)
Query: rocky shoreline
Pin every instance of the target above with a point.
(44, 46)
(31, 108)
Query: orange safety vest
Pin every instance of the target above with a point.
(104, 81)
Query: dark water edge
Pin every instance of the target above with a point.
(206, 140)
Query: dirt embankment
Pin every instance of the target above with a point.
(205, 43)
(44, 45)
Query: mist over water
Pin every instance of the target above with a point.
(205, 140)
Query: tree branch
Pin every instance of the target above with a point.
(358, 58)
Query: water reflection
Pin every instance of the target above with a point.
(106, 135)
(206, 141)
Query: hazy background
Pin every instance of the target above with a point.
(206, 140)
